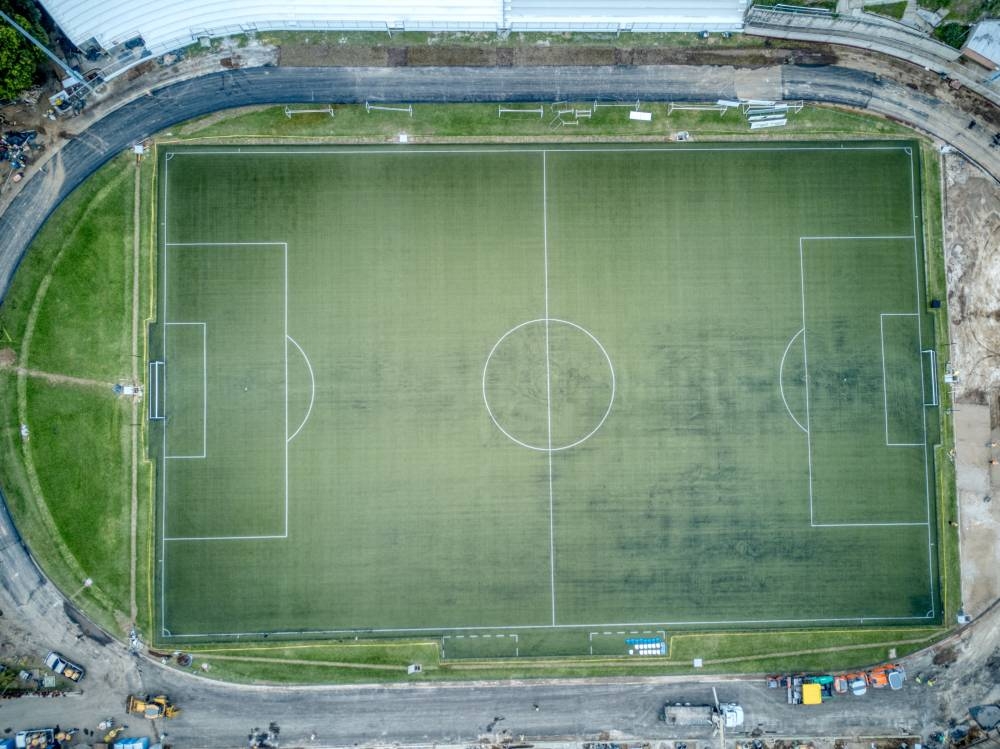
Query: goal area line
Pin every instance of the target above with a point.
(204, 389)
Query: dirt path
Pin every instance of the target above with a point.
(56, 379)
(302, 662)
(133, 516)
(972, 254)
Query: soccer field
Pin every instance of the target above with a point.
(454, 390)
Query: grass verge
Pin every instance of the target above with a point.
(890, 10)
(68, 312)
(949, 563)
(763, 652)
(352, 122)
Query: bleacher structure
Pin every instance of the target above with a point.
(759, 113)
(138, 29)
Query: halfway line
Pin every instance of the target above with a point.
(548, 383)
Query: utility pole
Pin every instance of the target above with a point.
(61, 63)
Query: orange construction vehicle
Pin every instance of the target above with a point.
(857, 683)
(890, 675)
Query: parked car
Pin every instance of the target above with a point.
(63, 667)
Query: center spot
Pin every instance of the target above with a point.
(548, 384)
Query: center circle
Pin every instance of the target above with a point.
(548, 384)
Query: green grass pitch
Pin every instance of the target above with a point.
(459, 389)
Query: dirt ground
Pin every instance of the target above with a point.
(308, 54)
(972, 257)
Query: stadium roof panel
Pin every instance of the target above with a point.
(169, 25)
(984, 43)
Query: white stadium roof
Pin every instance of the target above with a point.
(169, 24)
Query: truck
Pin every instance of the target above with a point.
(35, 738)
(63, 667)
(151, 707)
(805, 689)
(729, 715)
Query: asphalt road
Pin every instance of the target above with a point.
(35, 615)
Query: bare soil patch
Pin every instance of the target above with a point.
(332, 55)
(453, 56)
(972, 257)
(7, 357)
(464, 55)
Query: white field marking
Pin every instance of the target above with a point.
(170, 155)
(805, 364)
(312, 390)
(885, 388)
(396, 151)
(222, 538)
(548, 381)
(164, 538)
(935, 399)
(522, 627)
(781, 385)
(885, 378)
(812, 522)
(163, 451)
(611, 399)
(923, 387)
(204, 390)
(513, 636)
(867, 525)
(285, 312)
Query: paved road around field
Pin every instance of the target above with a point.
(218, 715)
(36, 617)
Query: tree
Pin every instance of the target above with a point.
(18, 57)
(17, 63)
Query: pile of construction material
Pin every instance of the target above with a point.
(15, 147)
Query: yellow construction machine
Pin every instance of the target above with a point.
(152, 707)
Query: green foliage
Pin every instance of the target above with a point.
(18, 62)
(353, 121)
(19, 58)
(892, 10)
(824, 4)
(953, 34)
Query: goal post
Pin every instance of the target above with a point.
(155, 390)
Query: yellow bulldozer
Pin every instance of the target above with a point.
(152, 707)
